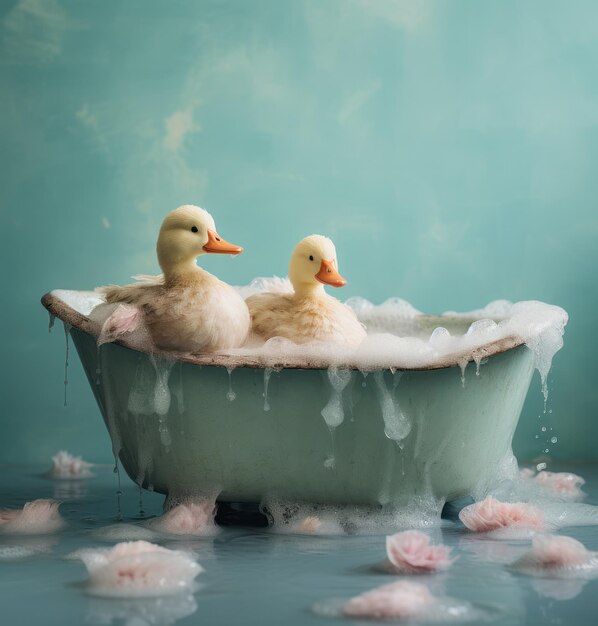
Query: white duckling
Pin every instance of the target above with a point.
(309, 313)
(187, 308)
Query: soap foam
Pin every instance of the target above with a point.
(66, 466)
(402, 600)
(326, 519)
(399, 337)
(115, 533)
(15, 553)
(334, 413)
(554, 555)
(192, 519)
(138, 569)
(38, 517)
(558, 484)
(556, 508)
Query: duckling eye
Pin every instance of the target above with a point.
(193, 229)
(311, 257)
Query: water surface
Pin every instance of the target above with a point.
(253, 576)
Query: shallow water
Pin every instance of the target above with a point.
(252, 576)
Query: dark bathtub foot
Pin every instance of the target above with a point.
(240, 514)
(451, 509)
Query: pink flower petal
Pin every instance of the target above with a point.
(398, 600)
(193, 518)
(555, 552)
(35, 518)
(411, 552)
(139, 568)
(561, 482)
(67, 466)
(490, 514)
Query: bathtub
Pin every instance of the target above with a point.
(242, 432)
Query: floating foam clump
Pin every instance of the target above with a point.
(554, 553)
(137, 569)
(397, 600)
(563, 483)
(192, 519)
(552, 495)
(410, 552)
(35, 518)
(404, 601)
(492, 515)
(66, 466)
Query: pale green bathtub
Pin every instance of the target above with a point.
(206, 444)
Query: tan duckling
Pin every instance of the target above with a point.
(309, 313)
(187, 308)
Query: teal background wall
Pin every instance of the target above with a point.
(449, 148)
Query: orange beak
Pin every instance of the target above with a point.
(217, 245)
(328, 275)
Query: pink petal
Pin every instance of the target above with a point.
(490, 514)
(561, 482)
(35, 518)
(193, 518)
(411, 552)
(399, 600)
(139, 568)
(67, 466)
(555, 552)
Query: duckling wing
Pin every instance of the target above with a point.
(140, 294)
(124, 320)
(271, 315)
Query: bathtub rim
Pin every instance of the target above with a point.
(64, 312)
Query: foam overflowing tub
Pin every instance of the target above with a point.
(424, 410)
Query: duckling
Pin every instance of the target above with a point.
(309, 313)
(185, 309)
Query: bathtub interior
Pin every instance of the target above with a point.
(398, 335)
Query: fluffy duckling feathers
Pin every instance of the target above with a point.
(308, 313)
(187, 308)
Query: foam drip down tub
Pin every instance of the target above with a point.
(425, 409)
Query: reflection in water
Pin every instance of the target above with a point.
(70, 489)
(141, 611)
(21, 547)
(558, 589)
(492, 550)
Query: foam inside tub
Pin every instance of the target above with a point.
(398, 335)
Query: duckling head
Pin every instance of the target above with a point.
(313, 264)
(186, 233)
